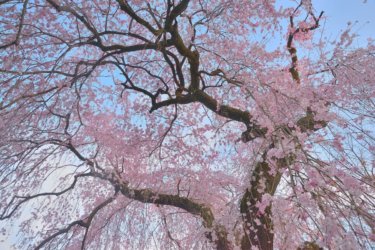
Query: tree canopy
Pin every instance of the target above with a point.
(204, 124)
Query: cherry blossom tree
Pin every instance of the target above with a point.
(184, 124)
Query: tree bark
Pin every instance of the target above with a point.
(258, 227)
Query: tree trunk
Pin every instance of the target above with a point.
(258, 227)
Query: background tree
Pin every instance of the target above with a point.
(184, 125)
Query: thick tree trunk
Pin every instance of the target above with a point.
(258, 227)
(257, 221)
(222, 242)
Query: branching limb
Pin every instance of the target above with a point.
(8, 212)
(292, 49)
(128, 10)
(20, 26)
(82, 223)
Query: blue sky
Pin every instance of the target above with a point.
(340, 12)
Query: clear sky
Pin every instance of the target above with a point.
(340, 12)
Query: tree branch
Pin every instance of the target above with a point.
(126, 8)
(83, 223)
(30, 197)
(149, 196)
